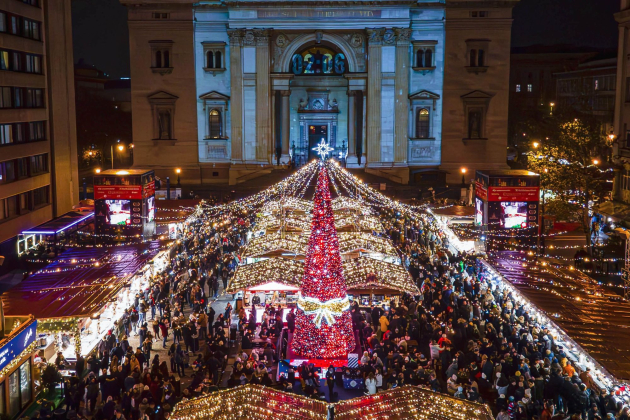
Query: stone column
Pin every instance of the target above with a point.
(264, 145)
(352, 149)
(236, 102)
(286, 121)
(375, 42)
(401, 107)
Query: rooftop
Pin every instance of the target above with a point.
(509, 173)
(125, 172)
(60, 224)
(593, 315)
(79, 282)
(254, 401)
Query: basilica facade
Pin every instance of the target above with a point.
(226, 90)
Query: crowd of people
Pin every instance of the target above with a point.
(463, 334)
(467, 336)
(121, 381)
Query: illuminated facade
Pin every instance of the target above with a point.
(273, 78)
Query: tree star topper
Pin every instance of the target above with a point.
(323, 149)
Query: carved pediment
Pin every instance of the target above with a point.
(477, 94)
(162, 96)
(214, 96)
(318, 101)
(424, 94)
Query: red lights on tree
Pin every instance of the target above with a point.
(323, 326)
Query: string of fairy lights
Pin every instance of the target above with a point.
(323, 294)
(259, 402)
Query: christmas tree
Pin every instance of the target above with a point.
(323, 325)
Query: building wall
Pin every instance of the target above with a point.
(61, 105)
(382, 69)
(428, 25)
(180, 151)
(591, 89)
(621, 124)
(490, 86)
(210, 26)
(58, 183)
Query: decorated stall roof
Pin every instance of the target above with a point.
(362, 272)
(78, 283)
(251, 402)
(411, 402)
(352, 241)
(275, 242)
(596, 319)
(366, 272)
(259, 402)
(296, 243)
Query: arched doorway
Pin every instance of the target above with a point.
(319, 98)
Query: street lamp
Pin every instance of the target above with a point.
(97, 170)
(595, 162)
(463, 171)
(120, 148)
(536, 145)
(178, 171)
(552, 104)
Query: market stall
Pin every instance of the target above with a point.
(78, 298)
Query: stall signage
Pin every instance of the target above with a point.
(17, 345)
(118, 192)
(525, 194)
(149, 189)
(481, 191)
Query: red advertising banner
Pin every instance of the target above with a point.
(118, 192)
(526, 194)
(480, 191)
(149, 189)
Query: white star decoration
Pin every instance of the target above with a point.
(323, 149)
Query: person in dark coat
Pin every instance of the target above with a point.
(80, 366)
(291, 320)
(330, 381)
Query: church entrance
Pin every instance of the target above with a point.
(316, 134)
(319, 90)
(318, 119)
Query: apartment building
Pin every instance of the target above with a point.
(38, 155)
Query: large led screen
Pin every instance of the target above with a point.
(117, 212)
(513, 214)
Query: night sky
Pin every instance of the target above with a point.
(101, 36)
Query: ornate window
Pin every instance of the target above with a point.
(318, 60)
(477, 51)
(164, 124)
(214, 57)
(215, 105)
(422, 123)
(215, 125)
(424, 55)
(161, 52)
(476, 105)
(163, 110)
(423, 105)
(475, 123)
